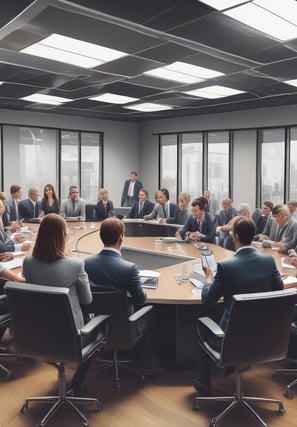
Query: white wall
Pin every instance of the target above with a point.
(121, 142)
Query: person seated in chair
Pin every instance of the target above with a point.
(246, 271)
(107, 270)
(48, 265)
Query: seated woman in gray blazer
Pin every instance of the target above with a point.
(48, 265)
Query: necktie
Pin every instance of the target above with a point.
(73, 207)
(16, 209)
(164, 211)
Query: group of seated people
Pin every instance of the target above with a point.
(49, 265)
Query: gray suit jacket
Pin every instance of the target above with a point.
(65, 272)
(289, 234)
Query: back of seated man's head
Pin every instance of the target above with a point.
(245, 229)
(111, 230)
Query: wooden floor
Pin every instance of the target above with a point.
(166, 400)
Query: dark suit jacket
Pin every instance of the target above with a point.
(208, 228)
(247, 271)
(146, 209)
(26, 210)
(137, 187)
(108, 270)
(11, 209)
(103, 213)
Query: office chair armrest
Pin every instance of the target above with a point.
(3, 297)
(93, 324)
(139, 313)
(212, 326)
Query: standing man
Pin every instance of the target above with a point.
(29, 209)
(131, 190)
(142, 207)
(12, 202)
(245, 272)
(73, 208)
(225, 215)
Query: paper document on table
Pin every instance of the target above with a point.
(14, 263)
(284, 264)
(289, 281)
(149, 278)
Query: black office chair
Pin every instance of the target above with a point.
(288, 393)
(5, 321)
(91, 214)
(124, 331)
(258, 331)
(44, 328)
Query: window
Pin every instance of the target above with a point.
(30, 157)
(293, 165)
(69, 161)
(168, 154)
(218, 154)
(90, 165)
(272, 165)
(191, 164)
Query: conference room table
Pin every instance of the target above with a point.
(176, 300)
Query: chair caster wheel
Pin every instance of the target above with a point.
(288, 394)
(24, 408)
(9, 376)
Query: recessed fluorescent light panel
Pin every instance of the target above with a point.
(222, 4)
(113, 98)
(183, 73)
(263, 15)
(291, 82)
(73, 51)
(46, 99)
(149, 106)
(213, 92)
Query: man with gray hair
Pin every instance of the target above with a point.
(29, 209)
(283, 232)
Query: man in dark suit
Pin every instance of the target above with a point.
(12, 202)
(200, 226)
(131, 190)
(108, 269)
(29, 209)
(142, 207)
(164, 211)
(245, 272)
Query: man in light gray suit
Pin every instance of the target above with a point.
(283, 231)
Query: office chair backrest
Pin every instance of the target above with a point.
(259, 327)
(91, 214)
(43, 323)
(116, 305)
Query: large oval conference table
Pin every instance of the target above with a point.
(177, 302)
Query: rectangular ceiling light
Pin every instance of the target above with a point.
(213, 92)
(183, 73)
(46, 99)
(222, 4)
(291, 82)
(113, 98)
(73, 51)
(263, 20)
(149, 106)
(285, 9)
